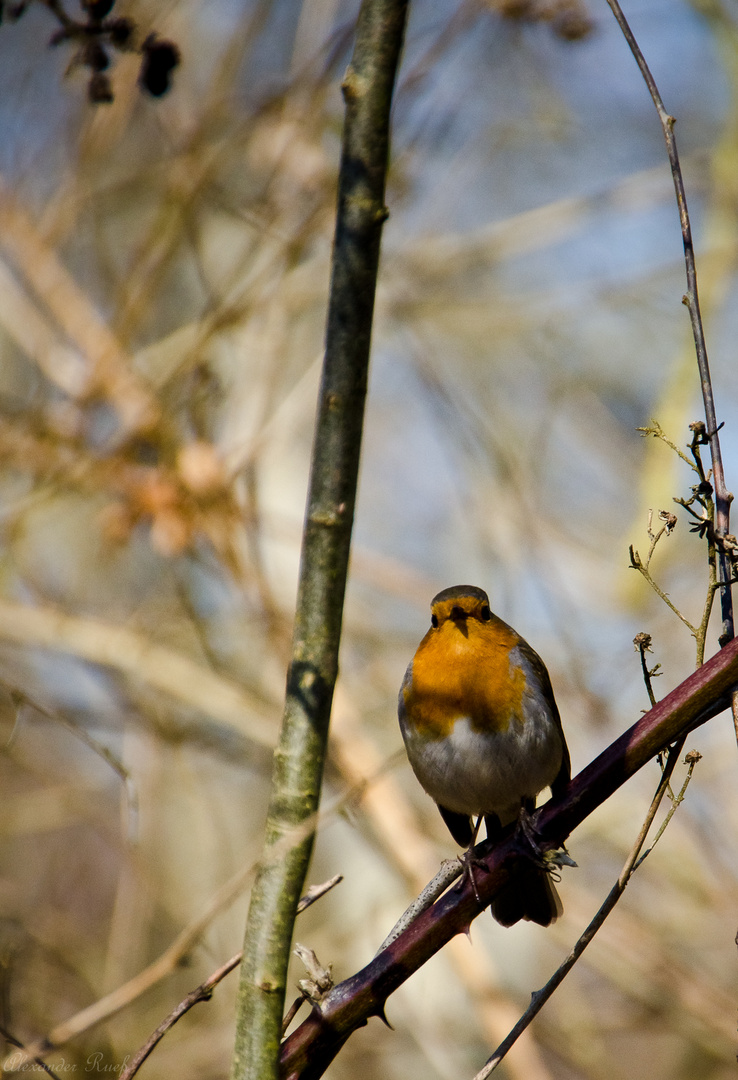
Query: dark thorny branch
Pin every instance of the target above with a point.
(309, 1050)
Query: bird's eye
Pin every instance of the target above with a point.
(434, 620)
(485, 614)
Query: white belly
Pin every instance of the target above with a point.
(473, 772)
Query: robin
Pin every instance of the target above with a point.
(484, 736)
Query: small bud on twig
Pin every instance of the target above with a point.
(668, 519)
(320, 979)
(699, 433)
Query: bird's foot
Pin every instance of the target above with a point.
(550, 861)
(468, 861)
(526, 834)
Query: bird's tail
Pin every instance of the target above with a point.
(529, 894)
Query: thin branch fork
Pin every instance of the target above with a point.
(723, 497)
(204, 992)
(309, 1050)
(634, 860)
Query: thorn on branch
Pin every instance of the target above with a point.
(291, 1013)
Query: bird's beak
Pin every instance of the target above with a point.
(459, 617)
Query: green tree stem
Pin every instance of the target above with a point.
(300, 754)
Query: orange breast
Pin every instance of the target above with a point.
(464, 670)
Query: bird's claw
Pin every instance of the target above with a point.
(468, 861)
(561, 857)
(549, 861)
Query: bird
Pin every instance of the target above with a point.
(484, 737)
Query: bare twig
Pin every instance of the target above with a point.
(723, 497)
(655, 429)
(205, 990)
(186, 940)
(164, 964)
(138, 657)
(666, 529)
(690, 760)
(632, 863)
(26, 1059)
(202, 993)
(642, 643)
(21, 700)
(450, 870)
(315, 892)
(637, 563)
(704, 524)
(107, 366)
